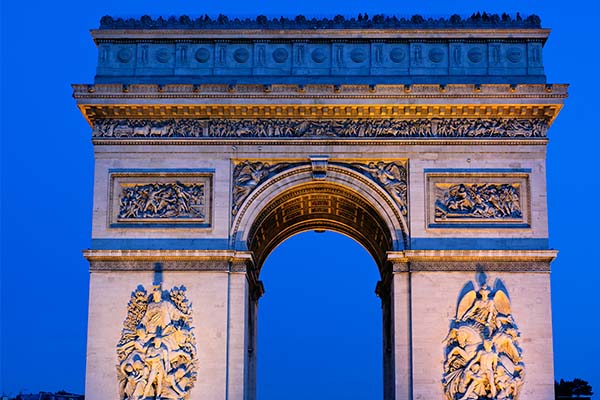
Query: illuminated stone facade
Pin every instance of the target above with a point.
(423, 140)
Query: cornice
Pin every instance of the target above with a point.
(319, 101)
(240, 35)
(472, 255)
(168, 255)
(310, 91)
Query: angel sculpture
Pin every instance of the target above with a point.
(482, 357)
(392, 177)
(247, 176)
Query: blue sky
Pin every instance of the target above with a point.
(46, 204)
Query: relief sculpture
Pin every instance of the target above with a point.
(482, 355)
(392, 177)
(247, 175)
(477, 200)
(157, 350)
(298, 128)
(162, 200)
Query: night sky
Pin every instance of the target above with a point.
(46, 204)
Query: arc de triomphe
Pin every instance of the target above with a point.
(425, 141)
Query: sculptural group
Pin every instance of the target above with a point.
(157, 350)
(483, 358)
(306, 128)
(162, 200)
(479, 200)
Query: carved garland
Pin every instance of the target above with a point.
(295, 128)
(482, 356)
(157, 351)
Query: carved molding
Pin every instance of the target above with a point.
(319, 207)
(388, 90)
(98, 266)
(500, 266)
(482, 354)
(157, 355)
(319, 166)
(307, 128)
(400, 267)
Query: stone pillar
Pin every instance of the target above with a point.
(444, 287)
(401, 312)
(217, 287)
(237, 332)
(384, 291)
(256, 291)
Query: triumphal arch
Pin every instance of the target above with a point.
(424, 140)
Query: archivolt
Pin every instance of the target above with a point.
(293, 201)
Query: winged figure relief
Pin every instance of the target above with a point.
(247, 175)
(483, 358)
(392, 177)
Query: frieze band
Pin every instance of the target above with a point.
(207, 266)
(297, 128)
(498, 266)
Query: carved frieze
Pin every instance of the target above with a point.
(163, 200)
(392, 176)
(171, 198)
(478, 199)
(482, 353)
(330, 128)
(157, 355)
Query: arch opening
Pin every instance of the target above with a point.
(319, 206)
(345, 202)
(320, 322)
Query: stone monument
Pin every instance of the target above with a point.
(424, 140)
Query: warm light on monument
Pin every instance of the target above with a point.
(423, 140)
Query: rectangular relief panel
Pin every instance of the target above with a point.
(160, 199)
(478, 199)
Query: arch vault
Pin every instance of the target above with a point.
(215, 141)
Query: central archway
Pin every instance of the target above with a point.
(344, 201)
